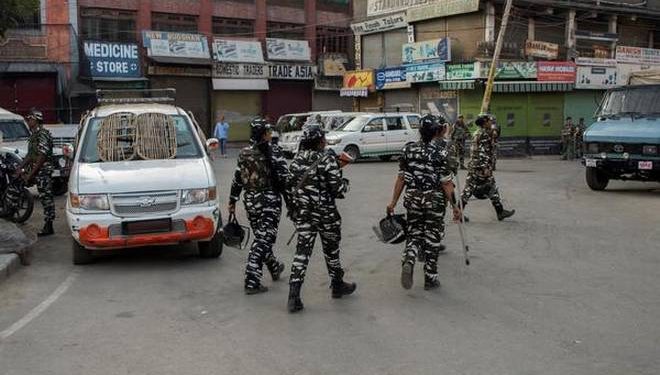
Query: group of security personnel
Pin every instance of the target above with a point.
(313, 182)
(36, 168)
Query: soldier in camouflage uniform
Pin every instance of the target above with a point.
(480, 178)
(262, 173)
(459, 136)
(315, 185)
(38, 167)
(425, 174)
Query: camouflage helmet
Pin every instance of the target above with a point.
(482, 119)
(37, 115)
(312, 132)
(258, 127)
(429, 126)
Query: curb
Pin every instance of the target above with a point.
(8, 265)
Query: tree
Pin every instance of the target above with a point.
(15, 12)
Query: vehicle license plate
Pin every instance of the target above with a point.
(56, 173)
(147, 226)
(591, 163)
(645, 165)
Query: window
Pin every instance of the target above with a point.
(108, 25)
(174, 22)
(394, 123)
(413, 121)
(375, 125)
(286, 30)
(233, 27)
(332, 39)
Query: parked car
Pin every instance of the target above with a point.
(331, 121)
(380, 134)
(15, 135)
(624, 143)
(138, 202)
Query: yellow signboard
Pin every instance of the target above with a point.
(359, 79)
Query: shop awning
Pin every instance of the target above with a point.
(533, 86)
(467, 84)
(356, 93)
(181, 60)
(240, 84)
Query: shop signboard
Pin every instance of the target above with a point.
(226, 50)
(391, 78)
(441, 9)
(333, 64)
(596, 77)
(544, 50)
(378, 25)
(291, 71)
(637, 55)
(113, 60)
(623, 71)
(589, 61)
(359, 79)
(358, 51)
(557, 71)
(461, 71)
(288, 49)
(428, 72)
(510, 70)
(324, 83)
(183, 71)
(240, 70)
(379, 7)
(436, 49)
(166, 44)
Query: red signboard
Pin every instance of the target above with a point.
(558, 71)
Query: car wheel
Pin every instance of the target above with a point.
(81, 255)
(353, 152)
(385, 157)
(60, 186)
(25, 207)
(597, 180)
(212, 248)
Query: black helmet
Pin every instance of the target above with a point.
(392, 229)
(428, 127)
(312, 132)
(234, 234)
(484, 191)
(482, 119)
(258, 127)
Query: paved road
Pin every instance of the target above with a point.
(569, 286)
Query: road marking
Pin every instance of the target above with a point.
(39, 309)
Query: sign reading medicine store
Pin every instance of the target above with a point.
(112, 60)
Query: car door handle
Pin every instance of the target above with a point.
(382, 134)
(405, 133)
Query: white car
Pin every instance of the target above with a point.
(291, 125)
(133, 203)
(380, 134)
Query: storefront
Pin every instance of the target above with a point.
(290, 77)
(183, 62)
(240, 80)
(328, 83)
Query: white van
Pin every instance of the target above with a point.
(330, 121)
(379, 134)
(136, 202)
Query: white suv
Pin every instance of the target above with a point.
(290, 140)
(133, 203)
(380, 134)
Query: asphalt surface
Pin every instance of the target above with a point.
(569, 285)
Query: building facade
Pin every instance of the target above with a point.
(557, 60)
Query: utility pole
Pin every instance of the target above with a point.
(496, 56)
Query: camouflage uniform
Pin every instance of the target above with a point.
(459, 136)
(568, 139)
(40, 143)
(425, 167)
(316, 210)
(263, 204)
(480, 172)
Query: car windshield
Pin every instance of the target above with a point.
(187, 145)
(633, 101)
(14, 130)
(355, 125)
(335, 122)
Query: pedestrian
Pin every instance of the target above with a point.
(221, 132)
(579, 133)
(262, 174)
(425, 174)
(37, 167)
(568, 140)
(480, 180)
(316, 183)
(459, 136)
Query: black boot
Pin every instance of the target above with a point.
(295, 303)
(502, 213)
(430, 284)
(276, 270)
(47, 230)
(341, 288)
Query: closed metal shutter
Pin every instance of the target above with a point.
(192, 94)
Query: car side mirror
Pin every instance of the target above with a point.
(212, 144)
(367, 129)
(68, 151)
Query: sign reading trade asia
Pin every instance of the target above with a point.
(557, 71)
(112, 60)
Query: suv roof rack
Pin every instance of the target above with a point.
(136, 96)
